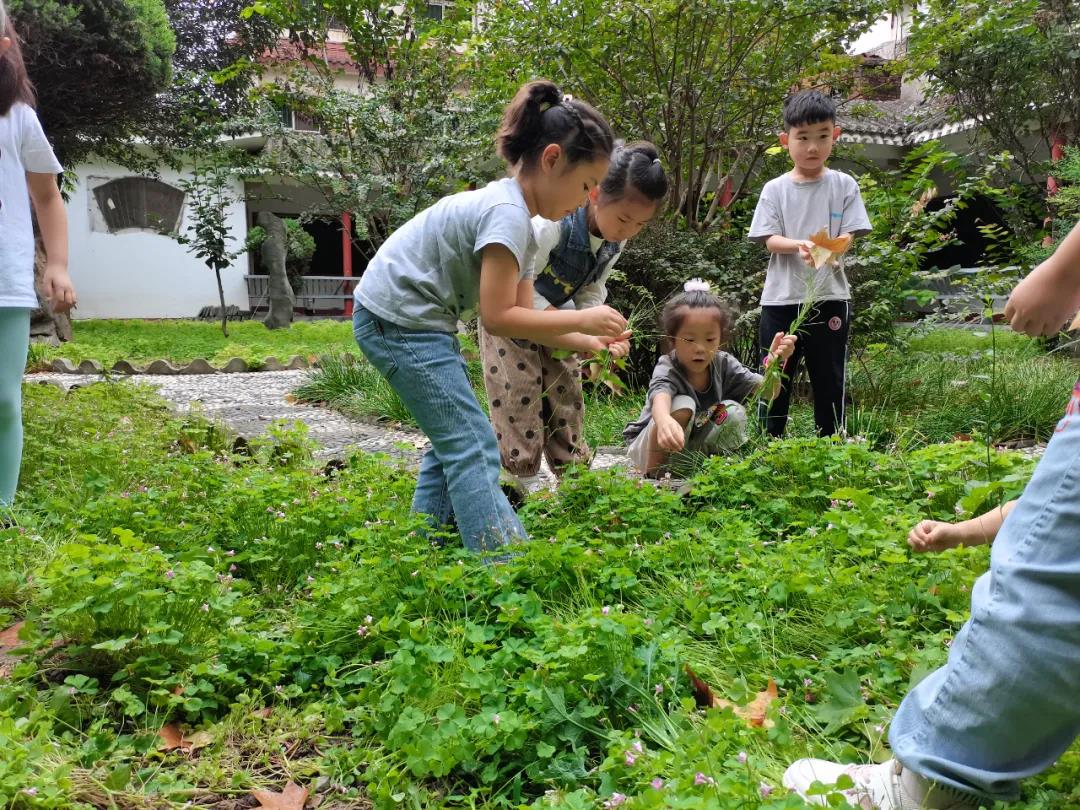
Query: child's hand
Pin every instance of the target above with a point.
(57, 288)
(618, 346)
(1044, 300)
(933, 535)
(804, 252)
(782, 346)
(669, 435)
(602, 321)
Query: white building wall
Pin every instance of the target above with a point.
(141, 273)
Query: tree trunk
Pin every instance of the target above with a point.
(272, 256)
(221, 297)
(46, 326)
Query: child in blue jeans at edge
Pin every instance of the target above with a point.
(471, 254)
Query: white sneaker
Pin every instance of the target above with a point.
(888, 786)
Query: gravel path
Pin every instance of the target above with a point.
(249, 403)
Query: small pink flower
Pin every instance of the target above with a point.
(170, 574)
(361, 631)
(631, 758)
(368, 620)
(496, 719)
(615, 800)
(658, 689)
(657, 783)
(648, 622)
(72, 691)
(205, 607)
(232, 568)
(808, 682)
(765, 789)
(279, 688)
(702, 779)
(637, 746)
(230, 553)
(30, 791)
(742, 757)
(605, 610)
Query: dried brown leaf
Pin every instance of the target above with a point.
(293, 797)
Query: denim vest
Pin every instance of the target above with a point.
(571, 263)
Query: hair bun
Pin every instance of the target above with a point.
(697, 285)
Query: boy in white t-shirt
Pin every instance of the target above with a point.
(792, 208)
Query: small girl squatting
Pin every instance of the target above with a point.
(697, 394)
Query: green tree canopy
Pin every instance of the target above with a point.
(98, 65)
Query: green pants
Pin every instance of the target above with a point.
(14, 344)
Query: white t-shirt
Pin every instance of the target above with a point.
(546, 235)
(798, 210)
(23, 148)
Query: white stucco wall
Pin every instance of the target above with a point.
(138, 273)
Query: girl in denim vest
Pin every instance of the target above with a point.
(28, 172)
(534, 390)
(471, 254)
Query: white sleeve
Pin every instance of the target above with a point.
(595, 294)
(35, 152)
(546, 236)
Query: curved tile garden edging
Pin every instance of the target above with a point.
(197, 366)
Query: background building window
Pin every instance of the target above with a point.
(139, 203)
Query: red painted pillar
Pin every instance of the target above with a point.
(727, 192)
(346, 255)
(1057, 152)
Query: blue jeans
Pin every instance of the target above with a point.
(1006, 705)
(14, 342)
(459, 475)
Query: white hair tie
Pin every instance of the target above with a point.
(697, 285)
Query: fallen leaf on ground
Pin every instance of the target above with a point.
(172, 739)
(292, 798)
(263, 713)
(9, 638)
(753, 712)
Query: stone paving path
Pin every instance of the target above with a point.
(249, 403)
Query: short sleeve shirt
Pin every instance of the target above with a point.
(798, 210)
(23, 148)
(427, 274)
(729, 379)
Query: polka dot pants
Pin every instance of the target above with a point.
(535, 402)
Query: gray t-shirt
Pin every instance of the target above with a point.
(427, 274)
(730, 379)
(797, 211)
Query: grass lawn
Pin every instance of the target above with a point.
(182, 341)
(295, 627)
